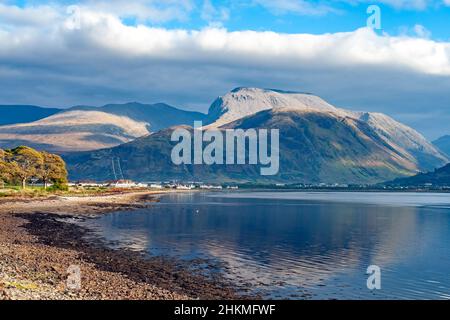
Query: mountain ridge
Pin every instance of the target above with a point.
(83, 128)
(437, 178)
(13, 114)
(443, 144)
(318, 144)
(151, 159)
(229, 107)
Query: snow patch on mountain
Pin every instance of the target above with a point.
(242, 102)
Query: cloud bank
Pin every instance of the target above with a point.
(59, 57)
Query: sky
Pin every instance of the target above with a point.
(188, 52)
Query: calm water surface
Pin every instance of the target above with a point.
(298, 245)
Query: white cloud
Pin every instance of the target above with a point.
(213, 15)
(421, 31)
(408, 4)
(153, 11)
(399, 4)
(29, 16)
(296, 6)
(217, 45)
(144, 10)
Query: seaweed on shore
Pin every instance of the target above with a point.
(163, 272)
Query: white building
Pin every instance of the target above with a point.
(126, 184)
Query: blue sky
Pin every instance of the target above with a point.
(188, 52)
(291, 16)
(288, 16)
(348, 17)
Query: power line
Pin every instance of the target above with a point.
(120, 168)
(114, 169)
(117, 168)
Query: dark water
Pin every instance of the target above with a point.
(302, 245)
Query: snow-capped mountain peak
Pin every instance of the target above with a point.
(242, 102)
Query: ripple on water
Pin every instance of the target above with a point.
(301, 245)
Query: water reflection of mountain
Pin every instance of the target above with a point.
(286, 243)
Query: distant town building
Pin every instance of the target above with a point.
(126, 184)
(185, 187)
(212, 187)
(86, 184)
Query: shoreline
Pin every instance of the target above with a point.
(37, 247)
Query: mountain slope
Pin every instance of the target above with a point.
(318, 142)
(443, 144)
(11, 114)
(90, 128)
(158, 116)
(242, 102)
(405, 140)
(315, 146)
(438, 177)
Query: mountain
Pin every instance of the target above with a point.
(438, 178)
(318, 143)
(355, 154)
(89, 128)
(11, 114)
(406, 140)
(242, 102)
(443, 144)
